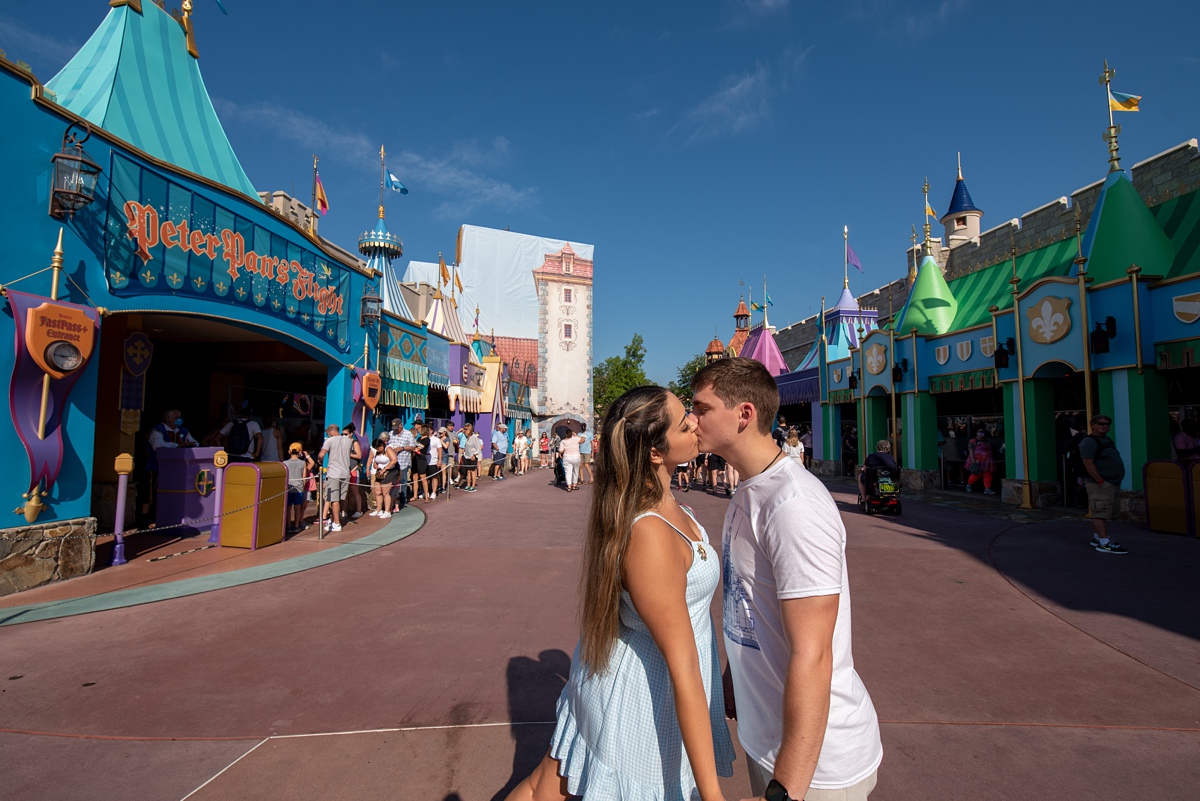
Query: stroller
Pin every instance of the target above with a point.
(881, 490)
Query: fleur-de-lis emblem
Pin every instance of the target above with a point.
(199, 283)
(876, 359)
(241, 293)
(304, 317)
(148, 277)
(221, 286)
(119, 278)
(275, 304)
(260, 298)
(1050, 320)
(175, 280)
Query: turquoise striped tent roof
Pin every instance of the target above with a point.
(976, 291)
(135, 79)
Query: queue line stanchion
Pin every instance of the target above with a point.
(220, 460)
(124, 466)
(321, 503)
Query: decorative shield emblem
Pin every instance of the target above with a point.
(1050, 320)
(837, 375)
(963, 349)
(372, 386)
(1187, 307)
(205, 483)
(876, 359)
(987, 346)
(942, 354)
(138, 352)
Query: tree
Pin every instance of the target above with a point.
(682, 385)
(616, 375)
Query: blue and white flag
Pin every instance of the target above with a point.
(394, 184)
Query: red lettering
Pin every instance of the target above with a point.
(142, 224)
(300, 285)
(169, 232)
(339, 304)
(196, 240)
(235, 251)
(210, 244)
(282, 275)
(267, 267)
(184, 243)
(322, 298)
(252, 262)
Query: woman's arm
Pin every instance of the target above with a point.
(391, 454)
(655, 575)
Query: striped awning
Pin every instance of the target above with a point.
(961, 382)
(799, 387)
(465, 399)
(405, 383)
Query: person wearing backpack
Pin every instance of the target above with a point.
(242, 439)
(1104, 471)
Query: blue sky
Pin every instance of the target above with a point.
(696, 145)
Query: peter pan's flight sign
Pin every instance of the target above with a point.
(162, 238)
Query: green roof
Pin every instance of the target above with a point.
(135, 79)
(1122, 232)
(931, 306)
(1180, 221)
(978, 290)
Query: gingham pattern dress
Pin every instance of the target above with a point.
(617, 736)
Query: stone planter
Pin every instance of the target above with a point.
(31, 556)
(917, 480)
(826, 468)
(1042, 493)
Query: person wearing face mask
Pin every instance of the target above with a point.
(980, 463)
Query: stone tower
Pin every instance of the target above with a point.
(962, 218)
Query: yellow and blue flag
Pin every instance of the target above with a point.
(1119, 101)
(929, 212)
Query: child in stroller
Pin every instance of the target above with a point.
(879, 481)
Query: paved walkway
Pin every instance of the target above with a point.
(1006, 659)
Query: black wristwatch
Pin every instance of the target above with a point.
(776, 792)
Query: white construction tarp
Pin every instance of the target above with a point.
(496, 270)
(421, 272)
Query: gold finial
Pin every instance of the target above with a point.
(1080, 261)
(56, 263)
(960, 165)
(381, 153)
(925, 211)
(188, 30)
(381, 211)
(1012, 244)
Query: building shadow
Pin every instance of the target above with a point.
(533, 689)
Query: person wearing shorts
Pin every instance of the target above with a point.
(471, 451)
(1104, 472)
(716, 466)
(585, 455)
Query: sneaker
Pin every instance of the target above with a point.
(968, 488)
(728, 492)
(375, 514)
(356, 515)
(385, 515)
(334, 527)
(989, 491)
(1111, 547)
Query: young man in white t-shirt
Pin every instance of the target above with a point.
(804, 717)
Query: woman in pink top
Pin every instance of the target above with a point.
(569, 448)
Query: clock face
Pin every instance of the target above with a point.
(64, 356)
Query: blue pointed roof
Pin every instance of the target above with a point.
(380, 246)
(961, 201)
(135, 79)
(841, 326)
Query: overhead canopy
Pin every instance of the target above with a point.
(135, 79)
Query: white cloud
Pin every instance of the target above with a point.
(458, 174)
(39, 50)
(742, 102)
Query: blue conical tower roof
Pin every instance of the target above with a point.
(961, 201)
(135, 79)
(380, 246)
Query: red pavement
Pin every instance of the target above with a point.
(1005, 661)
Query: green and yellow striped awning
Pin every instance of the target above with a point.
(841, 396)
(1177, 355)
(961, 382)
(405, 383)
(976, 291)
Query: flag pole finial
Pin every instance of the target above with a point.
(1113, 130)
(845, 257)
(928, 231)
(960, 165)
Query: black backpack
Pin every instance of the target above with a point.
(1075, 460)
(238, 441)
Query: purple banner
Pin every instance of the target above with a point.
(25, 392)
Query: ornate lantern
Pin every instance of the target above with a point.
(371, 308)
(75, 174)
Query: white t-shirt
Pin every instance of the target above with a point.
(784, 539)
(435, 450)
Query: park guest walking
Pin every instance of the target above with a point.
(1105, 471)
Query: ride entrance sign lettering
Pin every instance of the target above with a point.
(162, 238)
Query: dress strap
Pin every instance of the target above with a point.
(690, 541)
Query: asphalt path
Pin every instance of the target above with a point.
(1005, 660)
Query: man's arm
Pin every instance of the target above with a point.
(1090, 466)
(808, 624)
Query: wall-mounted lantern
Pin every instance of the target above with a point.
(74, 173)
(371, 308)
(1103, 333)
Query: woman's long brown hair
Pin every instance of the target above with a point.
(626, 483)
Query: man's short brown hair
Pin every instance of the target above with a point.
(740, 380)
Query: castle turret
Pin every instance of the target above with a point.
(962, 218)
(715, 350)
(741, 329)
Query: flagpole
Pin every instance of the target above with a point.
(381, 171)
(1110, 135)
(845, 257)
(312, 217)
(764, 305)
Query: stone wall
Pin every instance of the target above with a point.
(1157, 179)
(31, 556)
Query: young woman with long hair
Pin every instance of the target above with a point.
(645, 684)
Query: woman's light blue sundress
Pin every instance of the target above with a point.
(617, 736)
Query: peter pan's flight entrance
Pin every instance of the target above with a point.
(211, 371)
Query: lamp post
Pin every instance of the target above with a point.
(74, 173)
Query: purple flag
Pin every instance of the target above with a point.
(852, 258)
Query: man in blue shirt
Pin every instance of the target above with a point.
(585, 454)
(499, 452)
